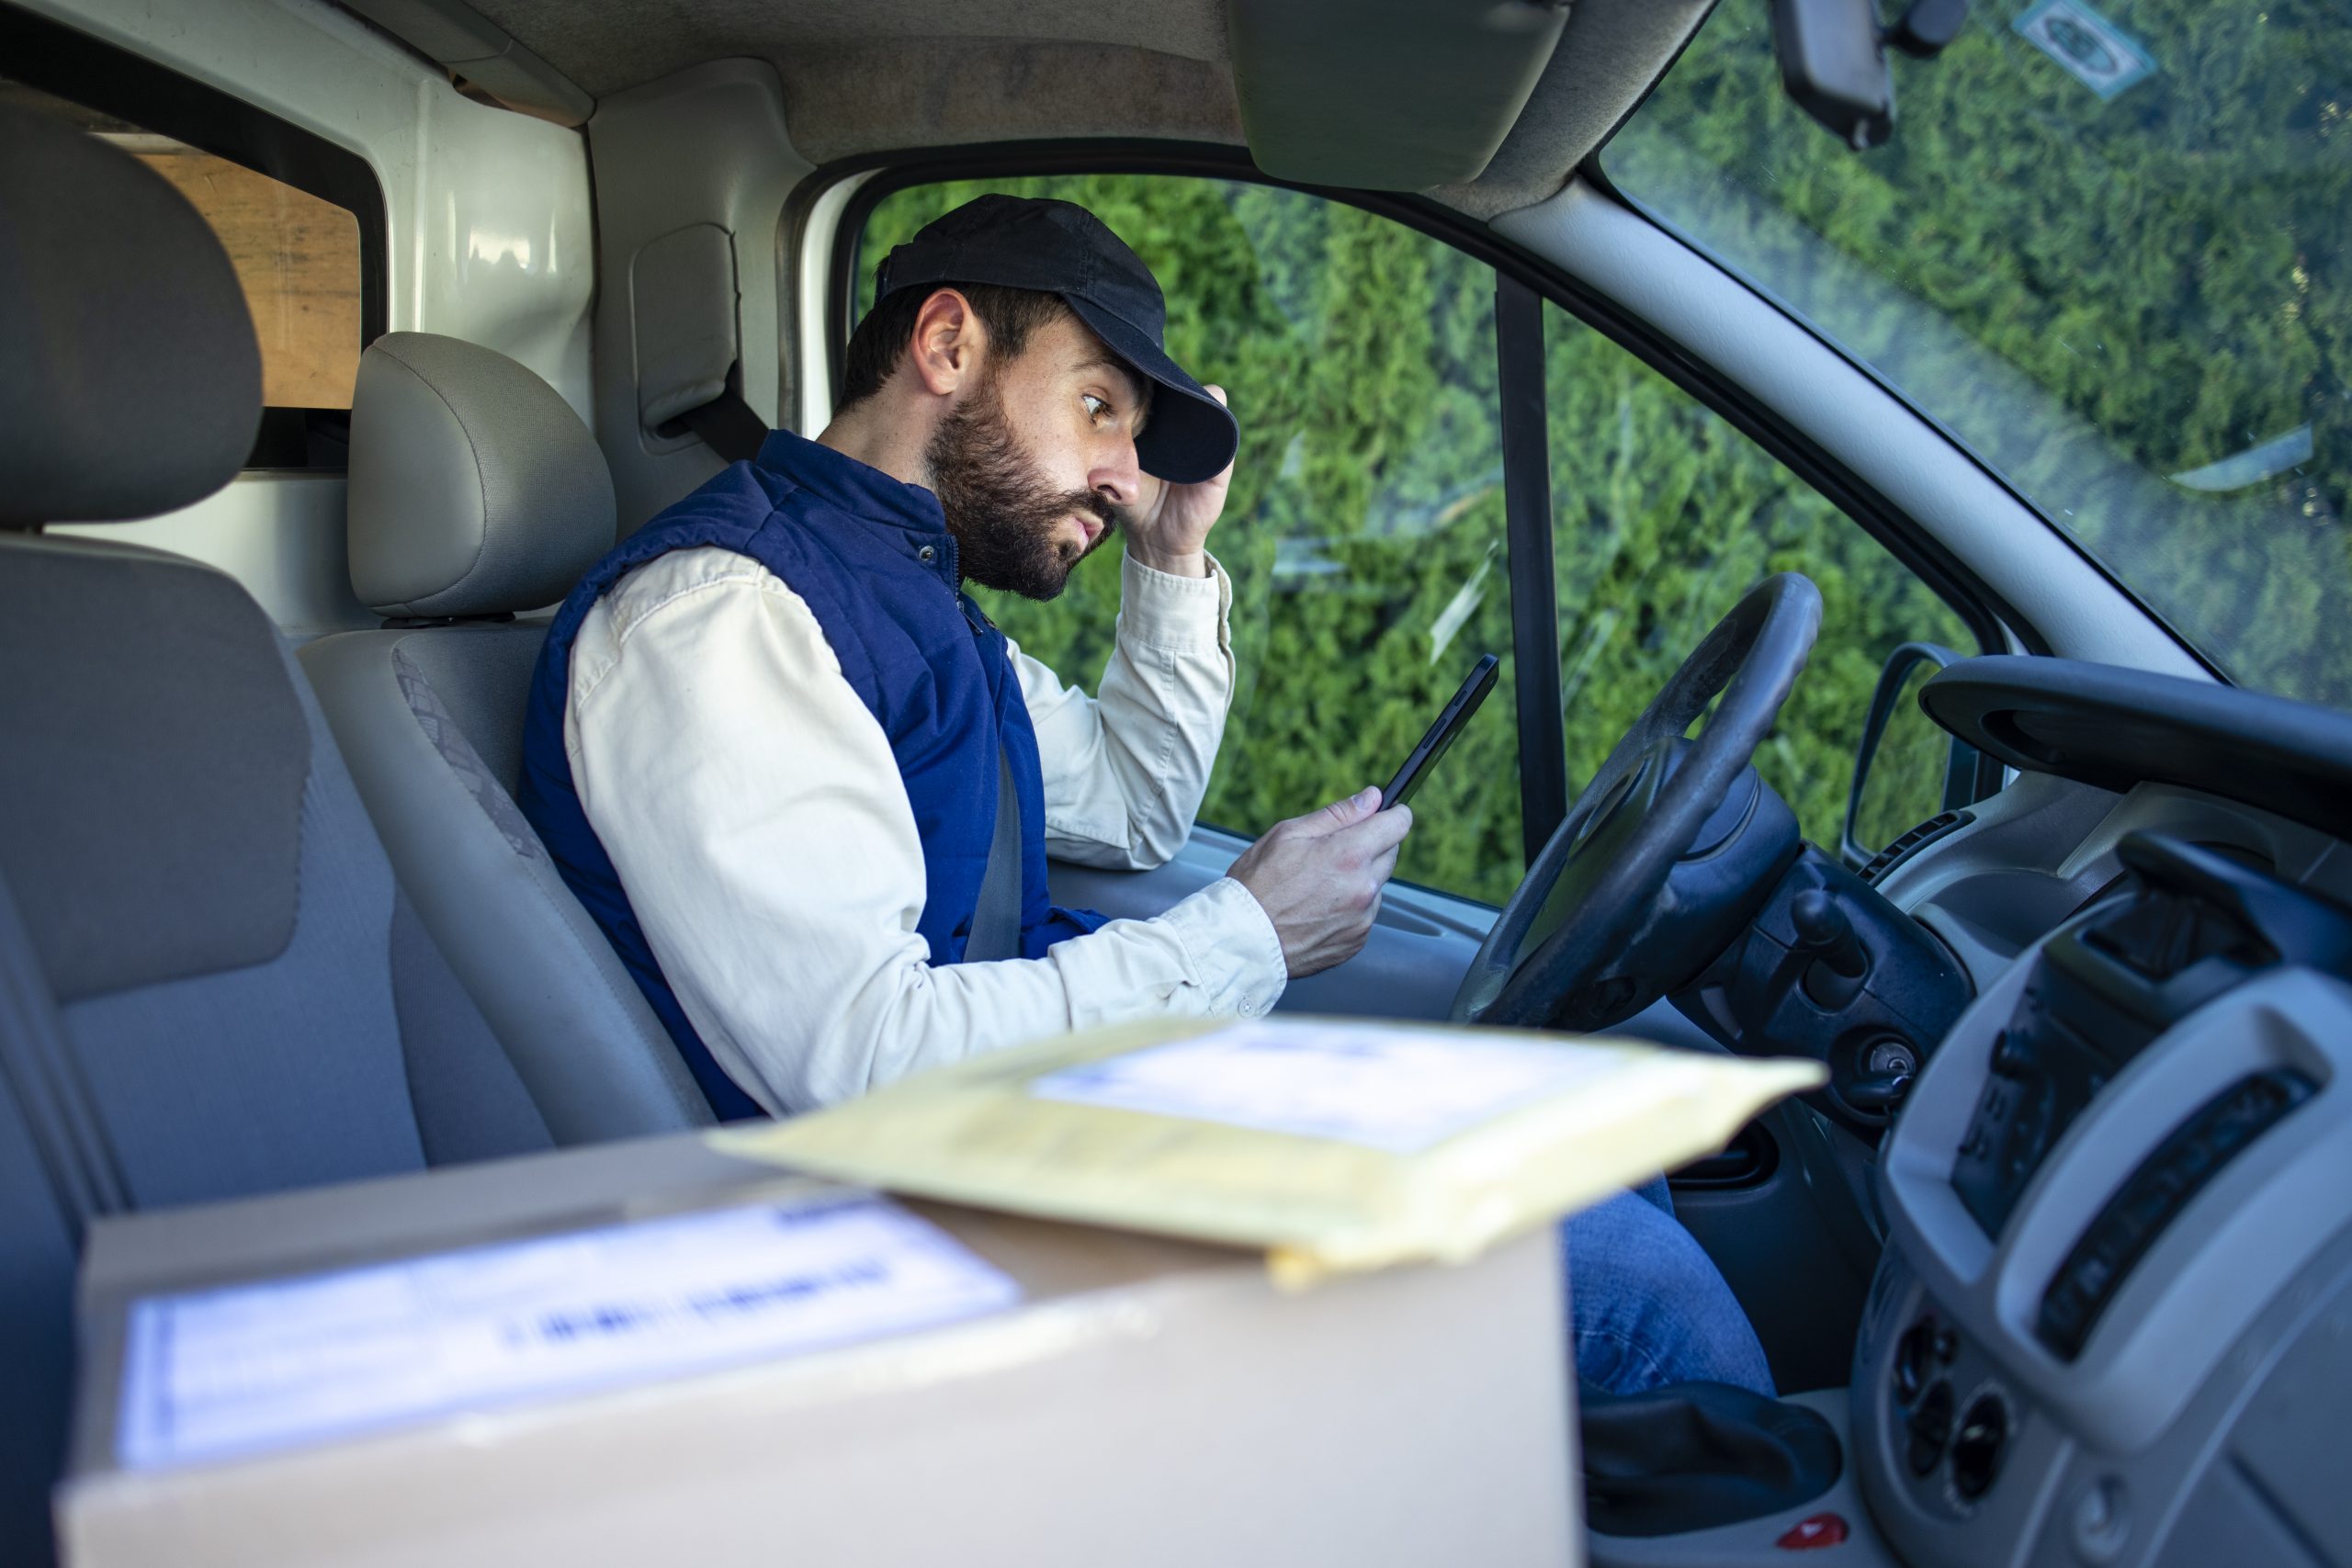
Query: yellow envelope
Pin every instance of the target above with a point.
(1334, 1143)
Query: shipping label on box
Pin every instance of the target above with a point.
(214, 1374)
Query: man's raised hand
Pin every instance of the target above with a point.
(1169, 529)
(1318, 878)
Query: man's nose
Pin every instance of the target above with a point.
(1118, 476)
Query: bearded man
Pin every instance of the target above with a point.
(808, 790)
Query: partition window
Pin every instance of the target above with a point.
(301, 219)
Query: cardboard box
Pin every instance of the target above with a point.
(1143, 1402)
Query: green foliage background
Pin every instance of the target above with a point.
(2094, 293)
(1364, 532)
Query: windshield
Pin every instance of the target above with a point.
(2110, 248)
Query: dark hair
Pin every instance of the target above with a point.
(1009, 316)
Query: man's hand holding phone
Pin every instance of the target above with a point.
(1318, 878)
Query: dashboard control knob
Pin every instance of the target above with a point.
(1913, 1360)
(1976, 1448)
(2012, 1057)
(1929, 1429)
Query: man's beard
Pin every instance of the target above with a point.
(1005, 518)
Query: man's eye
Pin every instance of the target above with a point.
(1097, 409)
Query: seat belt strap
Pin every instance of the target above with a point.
(995, 922)
(728, 426)
(46, 1077)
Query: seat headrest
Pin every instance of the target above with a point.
(129, 379)
(475, 489)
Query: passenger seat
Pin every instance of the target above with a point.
(477, 494)
(211, 984)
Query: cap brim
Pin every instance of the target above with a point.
(1189, 436)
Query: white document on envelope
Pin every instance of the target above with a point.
(215, 1373)
(1388, 1088)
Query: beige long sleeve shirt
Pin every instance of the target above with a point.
(752, 806)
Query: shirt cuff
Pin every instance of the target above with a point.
(1237, 958)
(1183, 615)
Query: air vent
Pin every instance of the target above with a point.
(1927, 832)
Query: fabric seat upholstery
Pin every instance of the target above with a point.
(211, 984)
(476, 492)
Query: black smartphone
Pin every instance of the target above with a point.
(1440, 734)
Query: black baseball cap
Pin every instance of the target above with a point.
(1058, 247)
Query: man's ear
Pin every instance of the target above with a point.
(948, 343)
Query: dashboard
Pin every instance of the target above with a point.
(2111, 1323)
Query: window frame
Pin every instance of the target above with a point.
(1524, 283)
(55, 58)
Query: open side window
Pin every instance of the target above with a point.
(1437, 462)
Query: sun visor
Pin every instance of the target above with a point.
(1385, 95)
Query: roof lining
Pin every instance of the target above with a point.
(868, 77)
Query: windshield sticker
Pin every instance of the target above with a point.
(213, 1374)
(1395, 1089)
(2101, 56)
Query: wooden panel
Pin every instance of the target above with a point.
(297, 256)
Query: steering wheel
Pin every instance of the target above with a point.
(1594, 890)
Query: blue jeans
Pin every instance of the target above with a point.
(1646, 1307)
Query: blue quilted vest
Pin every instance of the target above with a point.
(875, 562)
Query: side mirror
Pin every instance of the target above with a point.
(1923, 772)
